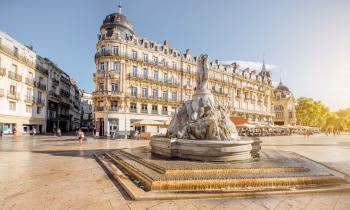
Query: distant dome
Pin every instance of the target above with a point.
(117, 22)
(282, 87)
(283, 91)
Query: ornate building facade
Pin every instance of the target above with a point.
(284, 106)
(86, 111)
(139, 79)
(23, 94)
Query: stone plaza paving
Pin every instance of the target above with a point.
(46, 172)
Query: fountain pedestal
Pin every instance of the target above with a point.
(205, 150)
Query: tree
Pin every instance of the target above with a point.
(311, 113)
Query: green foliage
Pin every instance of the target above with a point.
(316, 114)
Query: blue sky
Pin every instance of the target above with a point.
(308, 41)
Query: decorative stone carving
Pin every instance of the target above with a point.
(202, 117)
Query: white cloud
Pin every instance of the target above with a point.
(249, 64)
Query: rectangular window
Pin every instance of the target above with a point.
(188, 68)
(144, 92)
(165, 110)
(134, 55)
(101, 87)
(155, 59)
(145, 57)
(38, 110)
(173, 110)
(155, 109)
(174, 65)
(134, 91)
(103, 49)
(116, 66)
(39, 95)
(115, 49)
(13, 89)
(29, 92)
(144, 108)
(14, 68)
(134, 71)
(115, 87)
(30, 75)
(102, 66)
(165, 95)
(29, 109)
(12, 106)
(155, 93)
(155, 75)
(133, 107)
(145, 73)
(165, 77)
(114, 106)
(174, 96)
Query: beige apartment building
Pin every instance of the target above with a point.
(138, 79)
(284, 106)
(22, 88)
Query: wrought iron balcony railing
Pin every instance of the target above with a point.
(29, 99)
(30, 81)
(14, 76)
(13, 95)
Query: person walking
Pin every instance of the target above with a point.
(80, 136)
(59, 132)
(34, 131)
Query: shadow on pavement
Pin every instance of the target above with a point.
(73, 153)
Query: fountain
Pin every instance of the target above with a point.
(202, 156)
(202, 129)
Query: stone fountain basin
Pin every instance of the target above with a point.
(206, 150)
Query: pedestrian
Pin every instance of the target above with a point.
(80, 136)
(59, 132)
(94, 133)
(34, 131)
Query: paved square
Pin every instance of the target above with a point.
(57, 173)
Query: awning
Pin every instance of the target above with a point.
(245, 125)
(149, 123)
(238, 120)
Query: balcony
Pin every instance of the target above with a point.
(2, 92)
(2, 72)
(30, 81)
(164, 112)
(15, 76)
(99, 108)
(64, 92)
(113, 109)
(154, 111)
(14, 96)
(114, 74)
(29, 99)
(144, 111)
(147, 78)
(133, 110)
(55, 81)
(40, 102)
(53, 95)
(106, 93)
(106, 53)
(41, 86)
